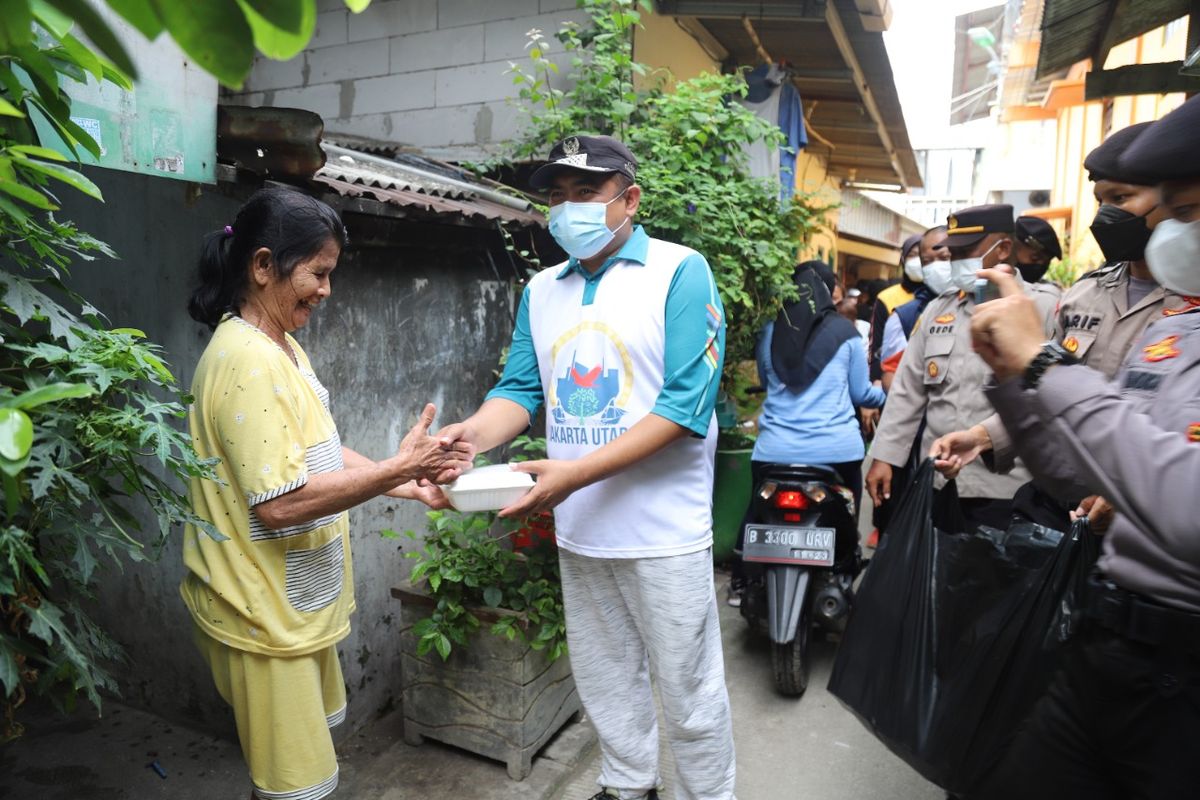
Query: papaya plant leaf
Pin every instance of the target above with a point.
(215, 33)
(140, 14)
(50, 393)
(276, 41)
(98, 31)
(16, 433)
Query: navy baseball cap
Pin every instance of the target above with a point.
(587, 153)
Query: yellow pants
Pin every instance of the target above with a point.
(284, 708)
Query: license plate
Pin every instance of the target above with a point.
(785, 544)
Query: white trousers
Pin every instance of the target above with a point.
(626, 619)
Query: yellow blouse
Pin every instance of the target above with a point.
(275, 592)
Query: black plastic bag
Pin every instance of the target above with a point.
(955, 634)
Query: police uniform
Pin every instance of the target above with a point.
(1097, 309)
(1122, 716)
(940, 380)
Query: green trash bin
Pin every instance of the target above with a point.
(731, 493)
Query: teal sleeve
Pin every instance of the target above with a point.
(522, 380)
(694, 347)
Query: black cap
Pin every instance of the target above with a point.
(1038, 233)
(966, 227)
(1103, 163)
(587, 153)
(1167, 149)
(907, 247)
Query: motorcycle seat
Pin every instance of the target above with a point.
(802, 473)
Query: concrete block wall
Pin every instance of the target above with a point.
(427, 73)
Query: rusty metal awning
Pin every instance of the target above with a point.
(289, 144)
(1075, 30)
(838, 64)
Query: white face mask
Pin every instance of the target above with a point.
(937, 276)
(912, 269)
(962, 270)
(1173, 256)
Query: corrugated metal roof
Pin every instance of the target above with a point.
(421, 184)
(1074, 30)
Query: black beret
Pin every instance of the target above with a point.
(1038, 233)
(1167, 150)
(1102, 163)
(967, 226)
(587, 153)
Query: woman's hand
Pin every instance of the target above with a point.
(870, 421)
(438, 459)
(424, 491)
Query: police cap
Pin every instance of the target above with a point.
(1036, 232)
(587, 153)
(1103, 163)
(1167, 150)
(967, 226)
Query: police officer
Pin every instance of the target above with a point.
(1122, 716)
(1104, 313)
(941, 379)
(1035, 245)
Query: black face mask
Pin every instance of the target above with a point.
(1122, 236)
(1032, 273)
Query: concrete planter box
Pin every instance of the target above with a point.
(497, 698)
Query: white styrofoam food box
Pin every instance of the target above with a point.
(488, 488)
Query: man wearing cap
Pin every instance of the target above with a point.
(1121, 718)
(1035, 245)
(623, 345)
(940, 379)
(1105, 312)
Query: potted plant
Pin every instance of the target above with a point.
(503, 692)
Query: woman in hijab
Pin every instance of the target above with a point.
(814, 366)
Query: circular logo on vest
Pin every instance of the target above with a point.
(1071, 344)
(932, 369)
(593, 376)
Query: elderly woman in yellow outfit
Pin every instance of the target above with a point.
(271, 601)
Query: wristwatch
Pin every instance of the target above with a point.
(1051, 353)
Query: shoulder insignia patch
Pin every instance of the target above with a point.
(945, 319)
(1191, 304)
(932, 369)
(1071, 344)
(1161, 350)
(1193, 432)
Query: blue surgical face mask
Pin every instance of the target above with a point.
(582, 228)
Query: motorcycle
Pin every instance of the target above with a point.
(800, 557)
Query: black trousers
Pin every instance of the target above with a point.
(1120, 721)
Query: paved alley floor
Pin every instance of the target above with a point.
(809, 747)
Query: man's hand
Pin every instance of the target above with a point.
(1007, 333)
(440, 459)
(952, 452)
(870, 420)
(1098, 511)
(556, 480)
(879, 482)
(422, 490)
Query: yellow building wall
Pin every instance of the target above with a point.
(1084, 127)
(671, 52)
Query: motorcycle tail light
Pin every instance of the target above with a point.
(793, 500)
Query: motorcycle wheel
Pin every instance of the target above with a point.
(789, 662)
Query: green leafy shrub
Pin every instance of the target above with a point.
(466, 568)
